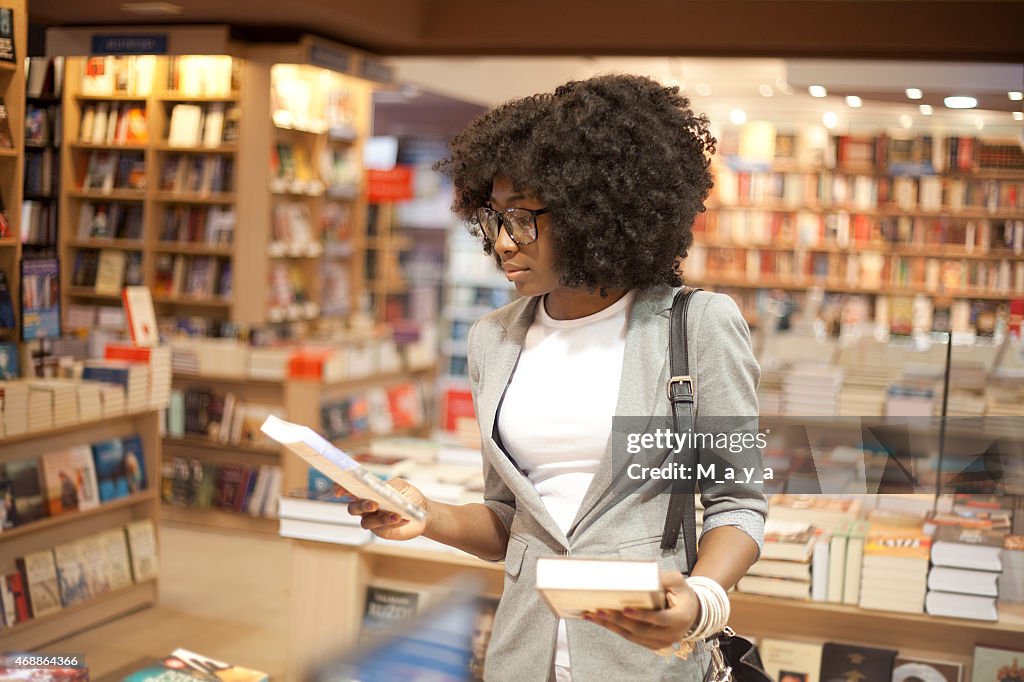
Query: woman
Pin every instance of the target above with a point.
(586, 198)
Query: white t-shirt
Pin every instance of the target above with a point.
(556, 417)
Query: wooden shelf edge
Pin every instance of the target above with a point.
(49, 522)
(213, 445)
(217, 520)
(80, 426)
(39, 632)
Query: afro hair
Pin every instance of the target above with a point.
(621, 162)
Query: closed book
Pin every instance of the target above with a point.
(837, 562)
(142, 546)
(912, 669)
(851, 662)
(773, 568)
(997, 665)
(775, 587)
(39, 571)
(319, 531)
(791, 661)
(302, 508)
(572, 586)
(967, 548)
(961, 606)
(793, 541)
(964, 581)
(854, 562)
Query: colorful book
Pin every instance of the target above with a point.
(851, 662)
(26, 488)
(39, 571)
(70, 478)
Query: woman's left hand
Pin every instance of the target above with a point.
(654, 629)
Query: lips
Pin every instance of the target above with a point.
(514, 272)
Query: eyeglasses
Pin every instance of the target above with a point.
(520, 224)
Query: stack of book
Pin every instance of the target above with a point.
(40, 410)
(133, 377)
(158, 359)
(305, 518)
(812, 390)
(14, 400)
(112, 396)
(785, 563)
(863, 392)
(61, 397)
(770, 393)
(1011, 581)
(908, 400)
(90, 400)
(966, 566)
(894, 570)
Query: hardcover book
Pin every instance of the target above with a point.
(40, 573)
(26, 488)
(789, 661)
(142, 545)
(997, 665)
(70, 477)
(572, 586)
(843, 662)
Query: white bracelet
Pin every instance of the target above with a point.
(714, 608)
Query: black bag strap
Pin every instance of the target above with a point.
(682, 393)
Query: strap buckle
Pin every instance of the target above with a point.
(686, 380)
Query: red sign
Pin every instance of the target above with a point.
(390, 185)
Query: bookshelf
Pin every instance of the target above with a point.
(887, 218)
(12, 163)
(50, 531)
(43, 132)
(327, 611)
(298, 400)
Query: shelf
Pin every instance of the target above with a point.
(113, 195)
(39, 197)
(52, 627)
(43, 99)
(206, 443)
(8, 242)
(796, 169)
(9, 153)
(114, 147)
(7, 66)
(885, 212)
(919, 251)
(208, 302)
(188, 377)
(765, 283)
(193, 249)
(218, 519)
(123, 244)
(210, 199)
(86, 292)
(72, 517)
(113, 97)
(221, 149)
(80, 426)
(179, 97)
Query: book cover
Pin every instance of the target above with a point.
(843, 662)
(110, 271)
(924, 670)
(385, 607)
(997, 665)
(40, 574)
(572, 586)
(70, 477)
(183, 665)
(6, 138)
(108, 456)
(26, 489)
(8, 52)
(142, 546)
(483, 626)
(118, 562)
(71, 570)
(8, 513)
(8, 361)
(134, 463)
(15, 598)
(40, 298)
(789, 661)
(138, 306)
(7, 320)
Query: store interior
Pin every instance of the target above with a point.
(269, 195)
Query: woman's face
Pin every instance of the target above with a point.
(530, 267)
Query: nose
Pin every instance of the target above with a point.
(504, 244)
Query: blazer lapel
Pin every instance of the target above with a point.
(501, 364)
(641, 386)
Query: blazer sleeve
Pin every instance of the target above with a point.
(727, 378)
(497, 495)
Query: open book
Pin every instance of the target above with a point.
(340, 467)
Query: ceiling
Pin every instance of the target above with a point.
(977, 30)
(481, 53)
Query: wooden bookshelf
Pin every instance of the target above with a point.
(299, 401)
(50, 531)
(327, 611)
(12, 161)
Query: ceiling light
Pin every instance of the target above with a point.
(703, 89)
(151, 8)
(817, 91)
(830, 120)
(783, 86)
(854, 101)
(738, 116)
(926, 109)
(765, 90)
(1015, 95)
(1018, 116)
(979, 123)
(960, 102)
(906, 121)
(914, 93)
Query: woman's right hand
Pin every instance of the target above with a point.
(389, 525)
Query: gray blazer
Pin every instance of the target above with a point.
(611, 522)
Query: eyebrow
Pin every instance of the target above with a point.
(513, 197)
